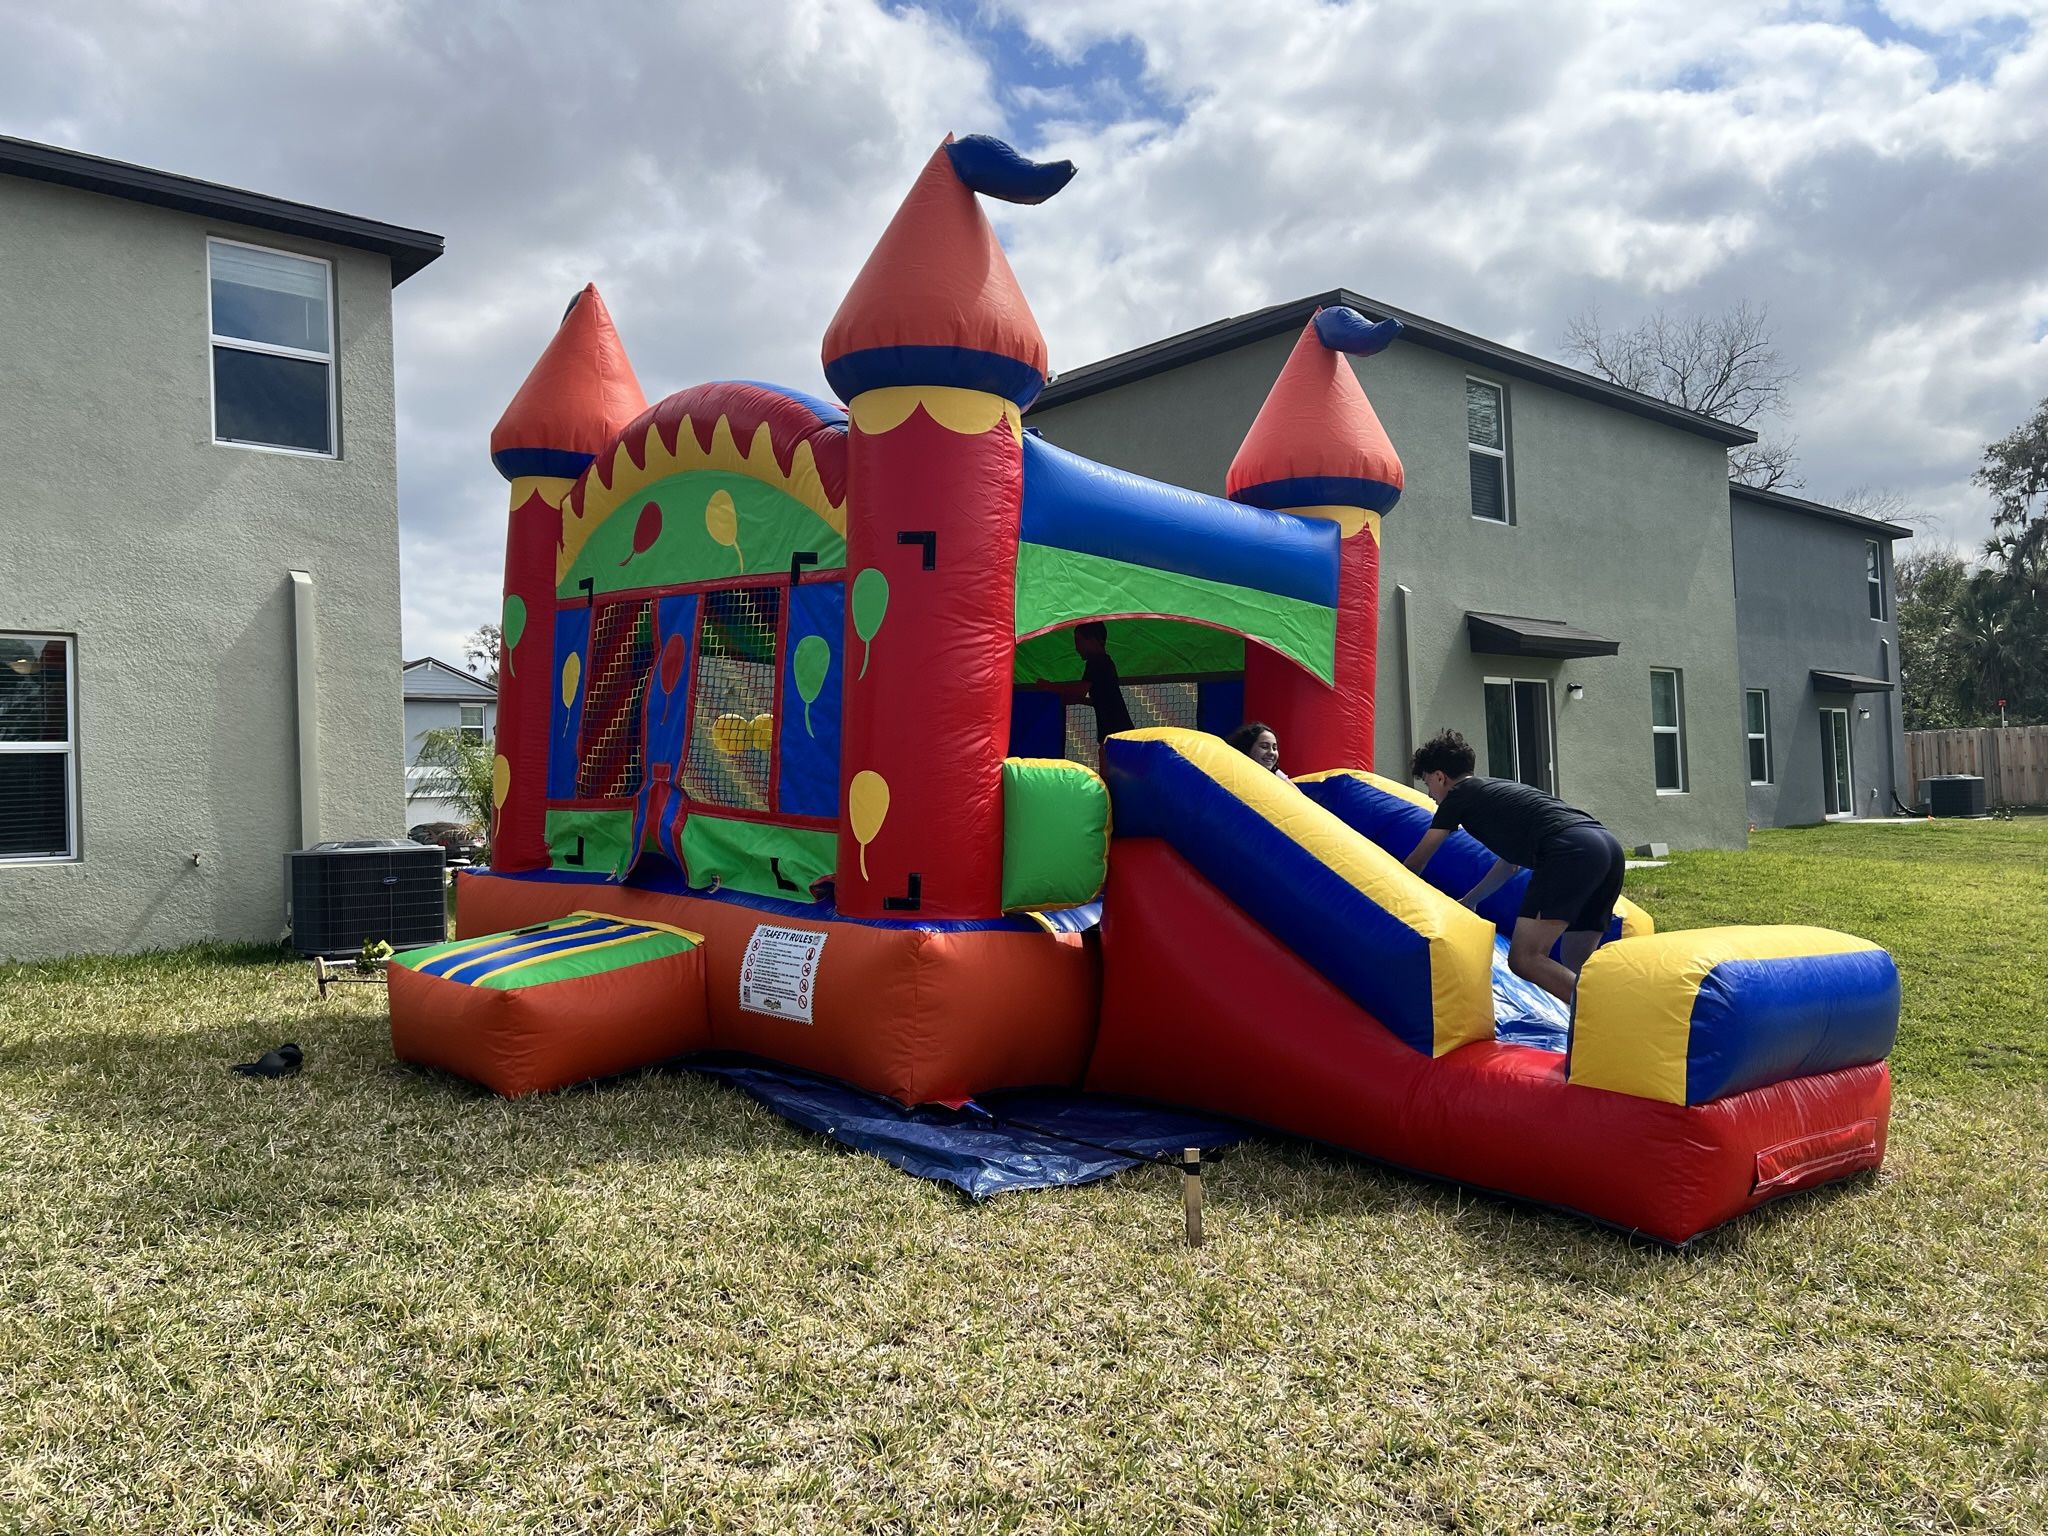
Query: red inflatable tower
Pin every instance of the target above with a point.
(578, 396)
(935, 353)
(1318, 450)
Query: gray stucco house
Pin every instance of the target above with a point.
(1820, 659)
(441, 697)
(1555, 582)
(199, 622)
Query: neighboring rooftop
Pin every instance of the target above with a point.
(409, 249)
(1786, 503)
(1240, 330)
(429, 677)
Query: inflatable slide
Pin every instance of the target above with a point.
(1264, 958)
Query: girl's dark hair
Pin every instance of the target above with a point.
(1094, 629)
(1246, 736)
(1445, 752)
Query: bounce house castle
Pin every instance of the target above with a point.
(783, 770)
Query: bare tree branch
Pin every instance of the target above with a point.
(1887, 505)
(1725, 366)
(1767, 464)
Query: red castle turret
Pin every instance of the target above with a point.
(1317, 449)
(580, 393)
(935, 353)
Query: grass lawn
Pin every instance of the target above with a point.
(371, 1300)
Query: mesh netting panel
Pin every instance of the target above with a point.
(1149, 704)
(732, 705)
(621, 656)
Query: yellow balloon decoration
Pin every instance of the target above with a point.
(761, 732)
(729, 733)
(501, 780)
(867, 806)
(722, 522)
(572, 674)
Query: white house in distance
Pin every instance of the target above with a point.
(439, 696)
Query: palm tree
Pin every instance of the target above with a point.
(456, 766)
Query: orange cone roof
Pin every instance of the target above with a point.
(1316, 441)
(573, 403)
(937, 302)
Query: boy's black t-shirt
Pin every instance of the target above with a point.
(1512, 819)
(1106, 695)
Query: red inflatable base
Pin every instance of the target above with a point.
(924, 1015)
(1203, 1007)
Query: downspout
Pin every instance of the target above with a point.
(1402, 599)
(306, 696)
(1891, 696)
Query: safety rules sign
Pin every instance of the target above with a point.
(779, 972)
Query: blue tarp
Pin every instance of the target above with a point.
(1034, 1138)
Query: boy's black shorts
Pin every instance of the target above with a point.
(1578, 879)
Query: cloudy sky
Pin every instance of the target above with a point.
(1877, 174)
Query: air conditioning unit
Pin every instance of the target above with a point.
(348, 894)
(1955, 794)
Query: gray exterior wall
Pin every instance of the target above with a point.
(1621, 527)
(166, 556)
(1802, 601)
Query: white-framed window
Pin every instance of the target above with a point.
(1873, 575)
(271, 319)
(1486, 436)
(473, 721)
(1756, 704)
(1667, 729)
(1519, 739)
(38, 749)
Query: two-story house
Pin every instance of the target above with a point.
(199, 613)
(1820, 659)
(1554, 582)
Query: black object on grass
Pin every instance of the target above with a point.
(285, 1061)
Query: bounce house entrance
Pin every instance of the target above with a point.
(1171, 672)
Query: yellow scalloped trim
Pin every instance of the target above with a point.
(757, 459)
(1348, 519)
(969, 412)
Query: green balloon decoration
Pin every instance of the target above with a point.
(513, 627)
(813, 661)
(870, 607)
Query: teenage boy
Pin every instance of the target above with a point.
(1575, 865)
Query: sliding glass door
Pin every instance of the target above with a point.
(1837, 778)
(1518, 734)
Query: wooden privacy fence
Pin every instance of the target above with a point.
(2012, 762)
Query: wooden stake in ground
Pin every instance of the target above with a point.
(1191, 1193)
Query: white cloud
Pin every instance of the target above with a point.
(1501, 167)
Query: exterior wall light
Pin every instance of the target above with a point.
(1575, 691)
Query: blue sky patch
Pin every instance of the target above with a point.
(1106, 84)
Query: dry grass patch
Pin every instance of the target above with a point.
(372, 1300)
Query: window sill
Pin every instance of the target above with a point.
(1494, 522)
(41, 860)
(1761, 783)
(289, 453)
(1674, 791)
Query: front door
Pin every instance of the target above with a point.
(1836, 777)
(1518, 735)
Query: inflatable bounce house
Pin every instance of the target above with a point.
(783, 770)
